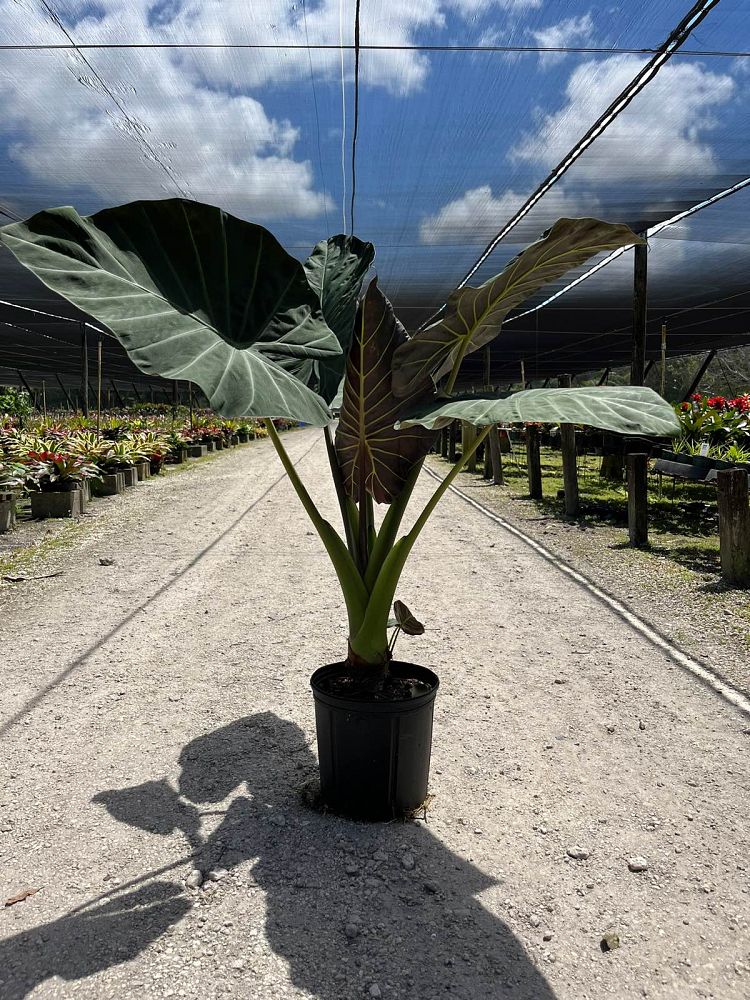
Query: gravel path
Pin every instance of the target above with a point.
(156, 719)
(706, 619)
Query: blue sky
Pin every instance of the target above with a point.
(450, 143)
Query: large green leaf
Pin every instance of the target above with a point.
(474, 316)
(192, 293)
(371, 452)
(335, 269)
(622, 409)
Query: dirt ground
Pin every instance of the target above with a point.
(156, 718)
(674, 584)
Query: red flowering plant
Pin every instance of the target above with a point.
(719, 421)
(58, 472)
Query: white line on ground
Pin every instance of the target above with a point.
(697, 669)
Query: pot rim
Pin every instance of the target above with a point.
(369, 706)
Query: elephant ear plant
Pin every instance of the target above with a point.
(194, 293)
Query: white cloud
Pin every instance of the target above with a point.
(68, 132)
(661, 134)
(567, 32)
(478, 215)
(188, 113)
(471, 8)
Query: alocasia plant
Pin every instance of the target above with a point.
(193, 293)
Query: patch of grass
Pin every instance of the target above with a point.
(683, 517)
(25, 558)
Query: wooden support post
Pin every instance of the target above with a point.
(84, 371)
(496, 457)
(545, 383)
(135, 390)
(663, 381)
(569, 458)
(734, 526)
(452, 441)
(702, 369)
(533, 463)
(468, 433)
(647, 369)
(444, 438)
(487, 457)
(523, 375)
(98, 383)
(640, 304)
(638, 499)
(65, 392)
(605, 377)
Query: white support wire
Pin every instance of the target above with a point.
(647, 234)
(642, 78)
(343, 113)
(65, 319)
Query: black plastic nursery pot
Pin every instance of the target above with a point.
(374, 755)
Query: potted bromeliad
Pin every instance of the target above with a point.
(61, 480)
(194, 293)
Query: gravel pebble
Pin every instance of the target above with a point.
(578, 853)
(194, 879)
(638, 864)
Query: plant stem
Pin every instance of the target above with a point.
(389, 528)
(352, 586)
(338, 482)
(373, 633)
(443, 487)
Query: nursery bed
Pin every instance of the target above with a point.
(566, 747)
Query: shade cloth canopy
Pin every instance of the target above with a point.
(461, 108)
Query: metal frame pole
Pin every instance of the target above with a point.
(640, 314)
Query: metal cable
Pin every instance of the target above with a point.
(647, 233)
(136, 132)
(675, 39)
(356, 111)
(317, 115)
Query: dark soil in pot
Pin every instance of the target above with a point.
(374, 742)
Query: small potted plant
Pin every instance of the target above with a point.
(59, 478)
(120, 458)
(154, 447)
(178, 446)
(291, 341)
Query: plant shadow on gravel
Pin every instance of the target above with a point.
(342, 919)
